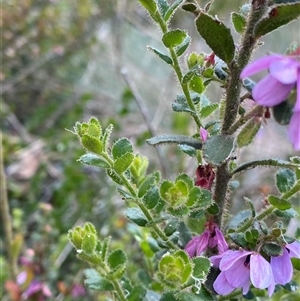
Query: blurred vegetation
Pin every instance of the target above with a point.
(61, 62)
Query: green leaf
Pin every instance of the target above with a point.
(89, 243)
(163, 6)
(189, 150)
(122, 163)
(94, 160)
(116, 258)
(146, 185)
(201, 267)
(248, 132)
(283, 112)
(95, 282)
(106, 136)
(238, 238)
(150, 6)
(184, 296)
(168, 297)
(114, 176)
(92, 144)
(190, 7)
(296, 263)
(177, 139)
(125, 194)
(173, 38)
(208, 110)
(180, 49)
(272, 249)
(217, 148)
(181, 105)
(94, 128)
(196, 84)
(188, 76)
(104, 247)
(164, 57)
(285, 180)
(279, 203)
(239, 22)
(213, 209)
(138, 293)
(289, 213)
(121, 147)
(137, 216)
(278, 16)
(172, 9)
(151, 198)
(217, 36)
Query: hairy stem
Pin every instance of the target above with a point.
(267, 162)
(232, 101)
(157, 231)
(176, 66)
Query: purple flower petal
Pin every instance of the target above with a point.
(230, 259)
(285, 70)
(239, 275)
(294, 249)
(215, 260)
(34, 287)
(203, 134)
(294, 130)
(271, 288)
(203, 242)
(191, 246)
(221, 285)
(259, 65)
(282, 268)
(297, 104)
(222, 244)
(270, 92)
(21, 278)
(260, 271)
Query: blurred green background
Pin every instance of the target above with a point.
(62, 62)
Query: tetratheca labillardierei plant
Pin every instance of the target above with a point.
(227, 261)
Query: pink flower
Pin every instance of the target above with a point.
(281, 265)
(240, 267)
(211, 237)
(284, 75)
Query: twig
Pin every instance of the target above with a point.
(6, 218)
(145, 113)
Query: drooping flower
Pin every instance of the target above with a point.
(212, 237)
(282, 267)
(240, 267)
(273, 89)
(205, 176)
(35, 287)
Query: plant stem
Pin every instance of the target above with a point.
(176, 66)
(116, 284)
(256, 111)
(267, 162)
(262, 215)
(159, 233)
(248, 42)
(6, 217)
(222, 180)
(232, 101)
